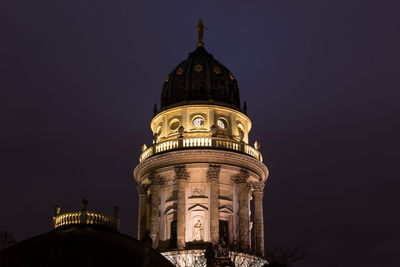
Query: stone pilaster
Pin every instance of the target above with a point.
(156, 182)
(212, 176)
(142, 191)
(258, 218)
(240, 180)
(181, 176)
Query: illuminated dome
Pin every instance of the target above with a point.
(200, 79)
(82, 238)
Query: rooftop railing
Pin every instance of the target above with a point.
(201, 142)
(85, 217)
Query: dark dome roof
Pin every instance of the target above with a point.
(82, 245)
(200, 79)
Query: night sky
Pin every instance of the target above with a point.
(78, 81)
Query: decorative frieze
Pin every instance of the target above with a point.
(241, 177)
(213, 171)
(181, 172)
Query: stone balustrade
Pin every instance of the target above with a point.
(201, 142)
(85, 217)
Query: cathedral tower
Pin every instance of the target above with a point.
(198, 178)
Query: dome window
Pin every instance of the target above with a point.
(217, 70)
(179, 71)
(222, 123)
(198, 122)
(198, 68)
(174, 125)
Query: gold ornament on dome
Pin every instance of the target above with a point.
(179, 71)
(217, 70)
(200, 32)
(167, 79)
(231, 76)
(198, 68)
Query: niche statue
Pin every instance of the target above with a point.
(198, 231)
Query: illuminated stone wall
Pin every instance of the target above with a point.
(191, 181)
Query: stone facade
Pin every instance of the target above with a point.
(202, 195)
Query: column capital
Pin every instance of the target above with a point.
(181, 172)
(156, 179)
(142, 188)
(168, 181)
(241, 177)
(213, 171)
(258, 186)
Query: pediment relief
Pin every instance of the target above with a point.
(170, 210)
(225, 209)
(198, 207)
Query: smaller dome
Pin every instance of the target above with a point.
(84, 239)
(200, 79)
(81, 245)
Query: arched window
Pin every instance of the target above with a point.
(224, 231)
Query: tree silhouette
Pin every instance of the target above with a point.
(279, 257)
(6, 239)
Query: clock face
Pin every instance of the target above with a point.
(221, 124)
(198, 122)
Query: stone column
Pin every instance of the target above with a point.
(258, 218)
(212, 176)
(156, 182)
(142, 191)
(181, 176)
(148, 212)
(242, 238)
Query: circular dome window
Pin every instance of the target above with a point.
(222, 123)
(198, 122)
(174, 125)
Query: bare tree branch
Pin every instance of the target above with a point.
(6, 239)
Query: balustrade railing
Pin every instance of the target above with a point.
(199, 142)
(84, 217)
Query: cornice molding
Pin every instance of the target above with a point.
(211, 156)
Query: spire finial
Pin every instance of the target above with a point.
(84, 203)
(200, 32)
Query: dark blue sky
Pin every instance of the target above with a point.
(78, 81)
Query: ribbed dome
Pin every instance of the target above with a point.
(200, 79)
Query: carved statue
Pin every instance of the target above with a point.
(200, 32)
(198, 231)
